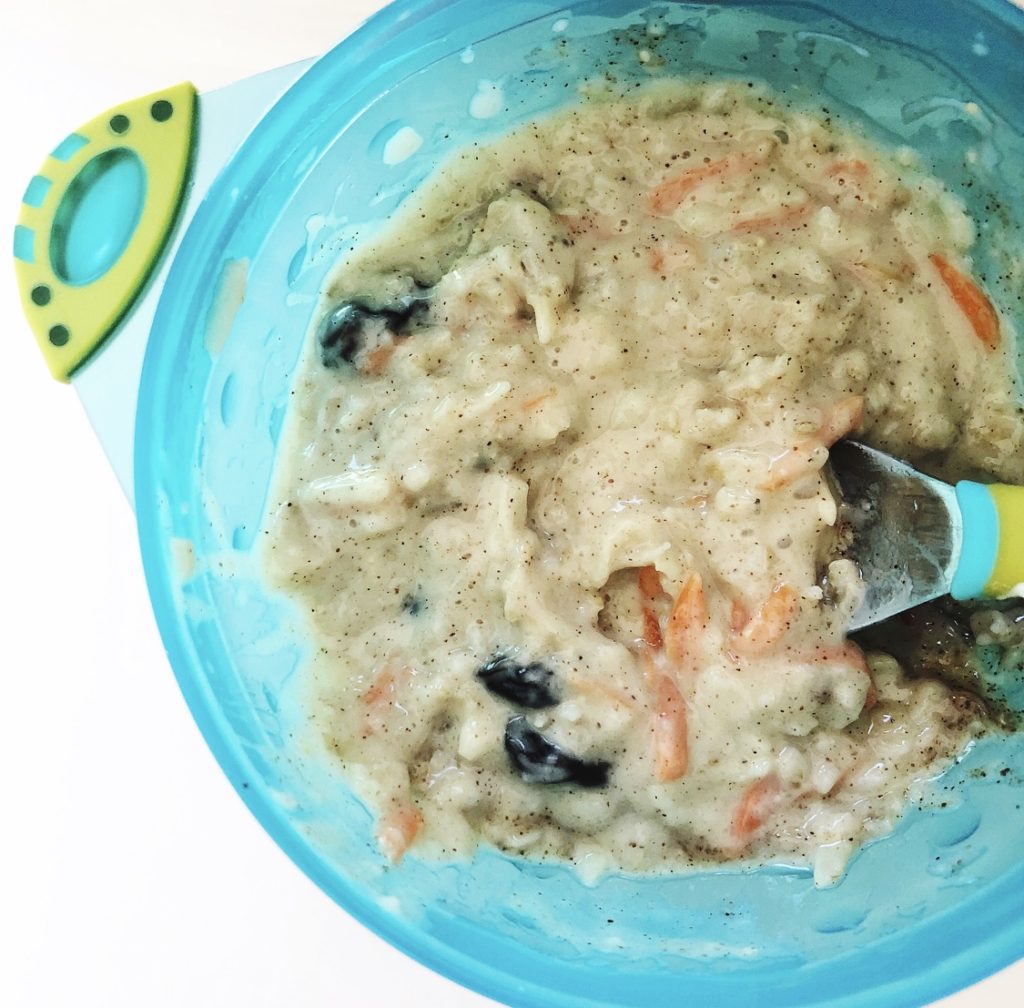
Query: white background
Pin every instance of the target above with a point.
(132, 875)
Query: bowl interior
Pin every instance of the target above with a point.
(918, 914)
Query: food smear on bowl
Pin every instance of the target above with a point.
(552, 492)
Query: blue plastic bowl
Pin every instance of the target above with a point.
(920, 914)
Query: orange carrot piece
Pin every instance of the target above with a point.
(754, 807)
(651, 665)
(738, 616)
(843, 419)
(671, 745)
(382, 691)
(673, 255)
(852, 168)
(768, 625)
(533, 403)
(377, 359)
(800, 460)
(667, 196)
(650, 582)
(397, 828)
(687, 621)
(602, 690)
(380, 698)
(803, 458)
(971, 300)
(652, 630)
(787, 217)
(852, 179)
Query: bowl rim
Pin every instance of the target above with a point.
(947, 965)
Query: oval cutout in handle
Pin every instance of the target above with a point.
(97, 216)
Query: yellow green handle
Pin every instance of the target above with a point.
(96, 218)
(1008, 573)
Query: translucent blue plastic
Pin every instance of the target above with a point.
(68, 147)
(920, 914)
(24, 244)
(97, 216)
(36, 191)
(981, 540)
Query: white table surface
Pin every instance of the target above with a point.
(132, 875)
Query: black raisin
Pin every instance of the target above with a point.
(353, 327)
(526, 685)
(538, 760)
(413, 605)
(341, 334)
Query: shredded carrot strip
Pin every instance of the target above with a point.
(650, 582)
(537, 400)
(601, 689)
(667, 196)
(382, 690)
(800, 460)
(651, 666)
(687, 621)
(671, 745)
(673, 256)
(652, 630)
(971, 300)
(805, 457)
(377, 360)
(853, 168)
(768, 625)
(787, 217)
(380, 698)
(397, 828)
(845, 418)
(754, 808)
(738, 616)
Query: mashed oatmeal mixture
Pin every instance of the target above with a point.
(554, 495)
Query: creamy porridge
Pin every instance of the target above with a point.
(553, 489)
